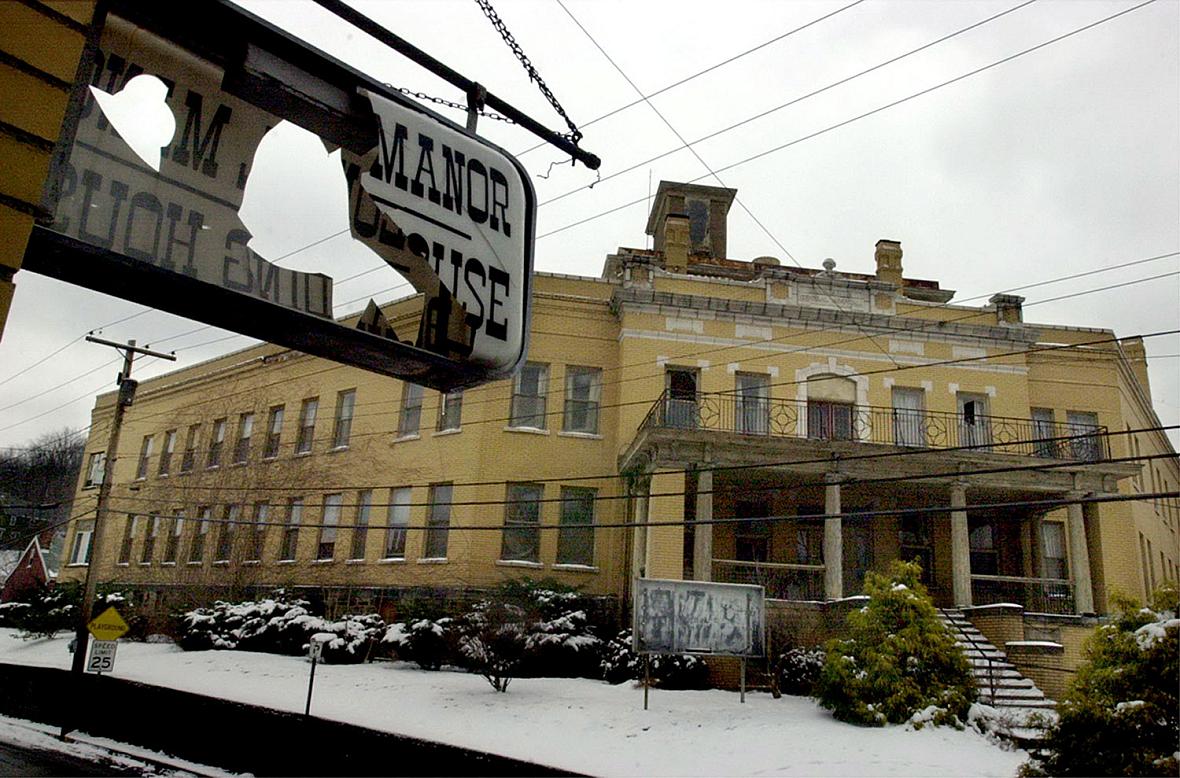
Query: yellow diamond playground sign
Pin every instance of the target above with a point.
(109, 625)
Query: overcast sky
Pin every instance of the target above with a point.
(1058, 162)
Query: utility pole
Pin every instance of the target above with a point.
(127, 387)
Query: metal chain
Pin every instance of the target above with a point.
(574, 134)
(449, 104)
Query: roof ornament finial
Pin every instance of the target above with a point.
(829, 266)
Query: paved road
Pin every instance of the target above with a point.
(25, 762)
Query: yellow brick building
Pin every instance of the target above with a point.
(712, 418)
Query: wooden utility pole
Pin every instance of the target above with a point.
(90, 588)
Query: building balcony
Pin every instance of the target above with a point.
(1038, 595)
(782, 581)
(794, 419)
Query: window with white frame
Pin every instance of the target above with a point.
(529, 390)
(189, 459)
(1083, 431)
(216, 444)
(522, 524)
(95, 469)
(974, 422)
(245, 432)
(450, 411)
(583, 396)
(752, 413)
(326, 547)
(128, 539)
(258, 537)
(290, 544)
(145, 455)
(342, 428)
(1043, 432)
(438, 521)
(409, 421)
(398, 520)
(1053, 560)
(274, 432)
(229, 528)
(83, 532)
(909, 416)
(307, 413)
(171, 547)
(575, 537)
(151, 531)
(360, 532)
(166, 452)
(196, 550)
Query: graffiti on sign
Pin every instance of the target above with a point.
(698, 617)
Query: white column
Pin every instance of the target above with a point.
(960, 546)
(1079, 558)
(702, 543)
(833, 542)
(639, 532)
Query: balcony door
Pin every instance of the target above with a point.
(753, 403)
(974, 425)
(908, 411)
(682, 387)
(752, 538)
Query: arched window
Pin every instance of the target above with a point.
(831, 401)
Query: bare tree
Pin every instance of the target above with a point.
(37, 484)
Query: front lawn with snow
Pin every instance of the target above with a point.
(576, 724)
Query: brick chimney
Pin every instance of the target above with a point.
(1008, 308)
(888, 258)
(689, 215)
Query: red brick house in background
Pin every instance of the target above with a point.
(31, 572)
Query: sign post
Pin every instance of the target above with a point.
(315, 650)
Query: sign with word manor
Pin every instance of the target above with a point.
(698, 617)
(155, 219)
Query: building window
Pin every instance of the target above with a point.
(909, 411)
(189, 459)
(438, 521)
(128, 537)
(410, 419)
(1083, 431)
(1043, 433)
(326, 548)
(985, 557)
(752, 413)
(151, 532)
(529, 390)
(258, 537)
(1053, 561)
(809, 544)
(342, 429)
(291, 531)
(245, 432)
(166, 452)
(96, 468)
(829, 420)
(751, 538)
(974, 425)
(917, 545)
(274, 432)
(450, 411)
(681, 386)
(172, 546)
(145, 455)
(225, 538)
(360, 533)
(216, 443)
(196, 552)
(398, 520)
(522, 524)
(83, 532)
(575, 544)
(306, 425)
(583, 393)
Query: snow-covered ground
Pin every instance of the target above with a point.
(576, 724)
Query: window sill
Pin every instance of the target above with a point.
(252, 562)
(122, 564)
(161, 475)
(213, 467)
(145, 564)
(322, 561)
(221, 563)
(572, 568)
(167, 564)
(443, 433)
(336, 449)
(270, 458)
(86, 487)
(303, 453)
(393, 560)
(78, 564)
(404, 438)
(239, 464)
(576, 434)
(139, 478)
(194, 563)
(519, 563)
(285, 562)
(355, 561)
(527, 430)
(434, 560)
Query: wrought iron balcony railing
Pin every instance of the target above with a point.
(780, 418)
(1038, 595)
(782, 581)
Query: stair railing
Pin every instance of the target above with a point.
(991, 677)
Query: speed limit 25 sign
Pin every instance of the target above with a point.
(102, 656)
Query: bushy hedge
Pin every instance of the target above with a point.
(668, 671)
(899, 660)
(278, 626)
(799, 670)
(1121, 715)
(47, 610)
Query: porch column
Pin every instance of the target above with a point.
(1079, 558)
(833, 541)
(639, 500)
(1030, 543)
(702, 539)
(665, 540)
(960, 546)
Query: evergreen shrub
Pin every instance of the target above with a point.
(668, 671)
(898, 660)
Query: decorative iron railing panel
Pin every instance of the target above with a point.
(1038, 595)
(781, 581)
(766, 417)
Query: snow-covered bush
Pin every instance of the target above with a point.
(799, 669)
(668, 671)
(1121, 715)
(44, 611)
(493, 641)
(278, 626)
(564, 646)
(898, 660)
(431, 643)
